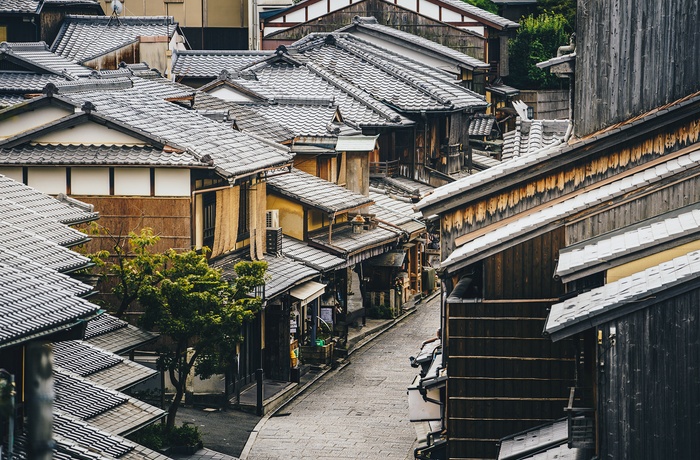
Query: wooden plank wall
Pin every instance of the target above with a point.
(550, 104)
(395, 16)
(648, 403)
(169, 218)
(633, 56)
(504, 376)
(661, 200)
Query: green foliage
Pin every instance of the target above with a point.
(380, 312)
(157, 436)
(487, 5)
(151, 436)
(566, 8)
(537, 40)
(185, 435)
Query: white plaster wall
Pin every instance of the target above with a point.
(229, 94)
(12, 173)
(26, 121)
(89, 134)
(452, 16)
(51, 180)
(408, 4)
(172, 182)
(429, 9)
(320, 8)
(132, 181)
(89, 181)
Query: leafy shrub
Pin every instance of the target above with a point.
(156, 437)
(151, 436)
(487, 5)
(185, 435)
(379, 312)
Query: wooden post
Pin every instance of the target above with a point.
(40, 396)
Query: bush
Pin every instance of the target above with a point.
(487, 5)
(185, 435)
(379, 312)
(155, 436)
(151, 436)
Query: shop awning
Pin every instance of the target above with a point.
(388, 259)
(308, 291)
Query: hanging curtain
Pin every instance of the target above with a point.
(226, 226)
(257, 205)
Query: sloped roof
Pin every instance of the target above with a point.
(113, 334)
(100, 406)
(620, 297)
(673, 229)
(79, 154)
(209, 64)
(282, 273)
(22, 83)
(402, 186)
(308, 255)
(531, 136)
(37, 56)
(19, 6)
(31, 308)
(99, 366)
(29, 220)
(481, 14)
(389, 77)
(302, 118)
(316, 192)
(530, 223)
(518, 445)
(372, 26)
(356, 246)
(82, 38)
(232, 153)
(65, 210)
(481, 125)
(390, 214)
(395, 204)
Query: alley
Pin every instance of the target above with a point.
(359, 412)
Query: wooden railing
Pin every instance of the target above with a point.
(384, 168)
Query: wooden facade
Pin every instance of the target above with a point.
(647, 58)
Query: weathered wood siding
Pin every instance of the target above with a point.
(560, 182)
(392, 15)
(551, 104)
(664, 198)
(648, 399)
(170, 218)
(633, 56)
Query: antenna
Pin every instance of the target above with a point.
(117, 8)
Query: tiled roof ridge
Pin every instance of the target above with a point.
(310, 101)
(223, 52)
(91, 84)
(6, 46)
(86, 18)
(355, 92)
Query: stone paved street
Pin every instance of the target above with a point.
(360, 411)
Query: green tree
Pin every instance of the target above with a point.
(200, 315)
(487, 5)
(537, 40)
(566, 8)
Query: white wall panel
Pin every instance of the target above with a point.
(26, 121)
(172, 182)
(229, 94)
(89, 181)
(12, 173)
(132, 181)
(408, 4)
(89, 133)
(429, 9)
(48, 180)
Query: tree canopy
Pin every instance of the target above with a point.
(487, 5)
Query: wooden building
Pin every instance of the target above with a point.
(502, 230)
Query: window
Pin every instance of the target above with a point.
(209, 218)
(243, 220)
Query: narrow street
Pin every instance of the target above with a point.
(359, 412)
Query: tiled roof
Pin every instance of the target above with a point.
(40, 249)
(88, 155)
(557, 60)
(46, 275)
(23, 83)
(389, 77)
(481, 125)
(233, 153)
(390, 214)
(308, 255)
(38, 55)
(31, 307)
(245, 119)
(402, 186)
(316, 192)
(602, 251)
(517, 446)
(357, 246)
(31, 221)
(112, 334)
(507, 234)
(482, 14)
(589, 308)
(302, 119)
(397, 205)
(99, 366)
(209, 64)
(19, 6)
(8, 100)
(282, 273)
(64, 209)
(82, 38)
(163, 88)
(372, 25)
(531, 136)
(103, 408)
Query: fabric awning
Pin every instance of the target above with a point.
(308, 291)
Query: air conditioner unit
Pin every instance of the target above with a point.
(272, 218)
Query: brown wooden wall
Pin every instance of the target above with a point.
(649, 403)
(504, 376)
(633, 56)
(525, 271)
(565, 180)
(169, 218)
(662, 199)
(395, 16)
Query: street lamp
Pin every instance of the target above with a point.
(530, 112)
